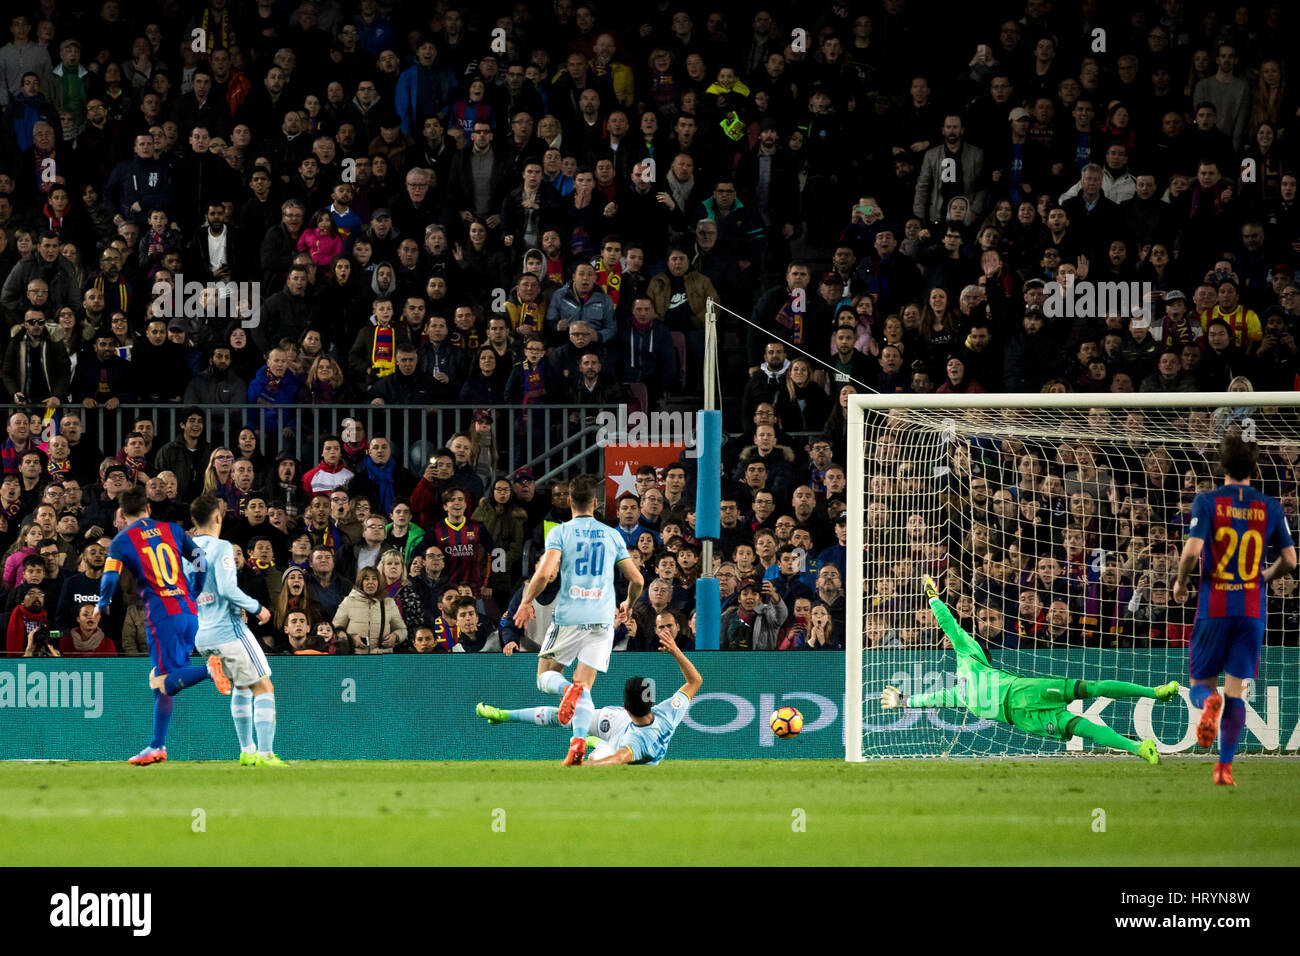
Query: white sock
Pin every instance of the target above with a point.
(241, 711)
(552, 682)
(264, 722)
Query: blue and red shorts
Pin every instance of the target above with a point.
(1226, 645)
(171, 640)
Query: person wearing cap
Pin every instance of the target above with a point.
(382, 234)
(1180, 327)
(68, 91)
(524, 485)
(1020, 164)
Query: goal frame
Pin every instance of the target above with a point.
(859, 404)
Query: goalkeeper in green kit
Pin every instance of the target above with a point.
(1036, 705)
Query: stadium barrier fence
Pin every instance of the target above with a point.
(545, 438)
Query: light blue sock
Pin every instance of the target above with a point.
(264, 721)
(535, 715)
(1198, 694)
(583, 714)
(552, 682)
(241, 711)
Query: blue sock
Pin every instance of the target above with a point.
(1198, 694)
(535, 715)
(552, 682)
(178, 680)
(583, 714)
(241, 711)
(162, 717)
(264, 721)
(1231, 725)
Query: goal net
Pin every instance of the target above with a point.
(1053, 524)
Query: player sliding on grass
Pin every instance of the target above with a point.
(637, 732)
(585, 552)
(1238, 522)
(1035, 705)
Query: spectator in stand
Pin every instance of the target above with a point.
(381, 477)
(475, 255)
(332, 472)
(370, 618)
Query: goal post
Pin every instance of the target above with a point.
(1052, 523)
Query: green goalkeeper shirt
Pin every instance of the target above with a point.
(981, 688)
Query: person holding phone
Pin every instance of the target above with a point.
(370, 618)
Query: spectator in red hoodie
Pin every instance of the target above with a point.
(27, 617)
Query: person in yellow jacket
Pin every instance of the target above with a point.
(1242, 320)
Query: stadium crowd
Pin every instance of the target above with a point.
(529, 205)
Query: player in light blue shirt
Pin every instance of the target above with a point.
(236, 661)
(584, 552)
(638, 732)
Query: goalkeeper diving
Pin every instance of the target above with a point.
(1035, 705)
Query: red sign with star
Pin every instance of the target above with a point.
(622, 461)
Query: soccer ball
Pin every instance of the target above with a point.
(786, 722)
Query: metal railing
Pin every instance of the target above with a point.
(549, 439)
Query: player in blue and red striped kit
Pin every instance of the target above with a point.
(1241, 525)
(152, 552)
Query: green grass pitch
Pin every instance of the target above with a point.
(933, 812)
